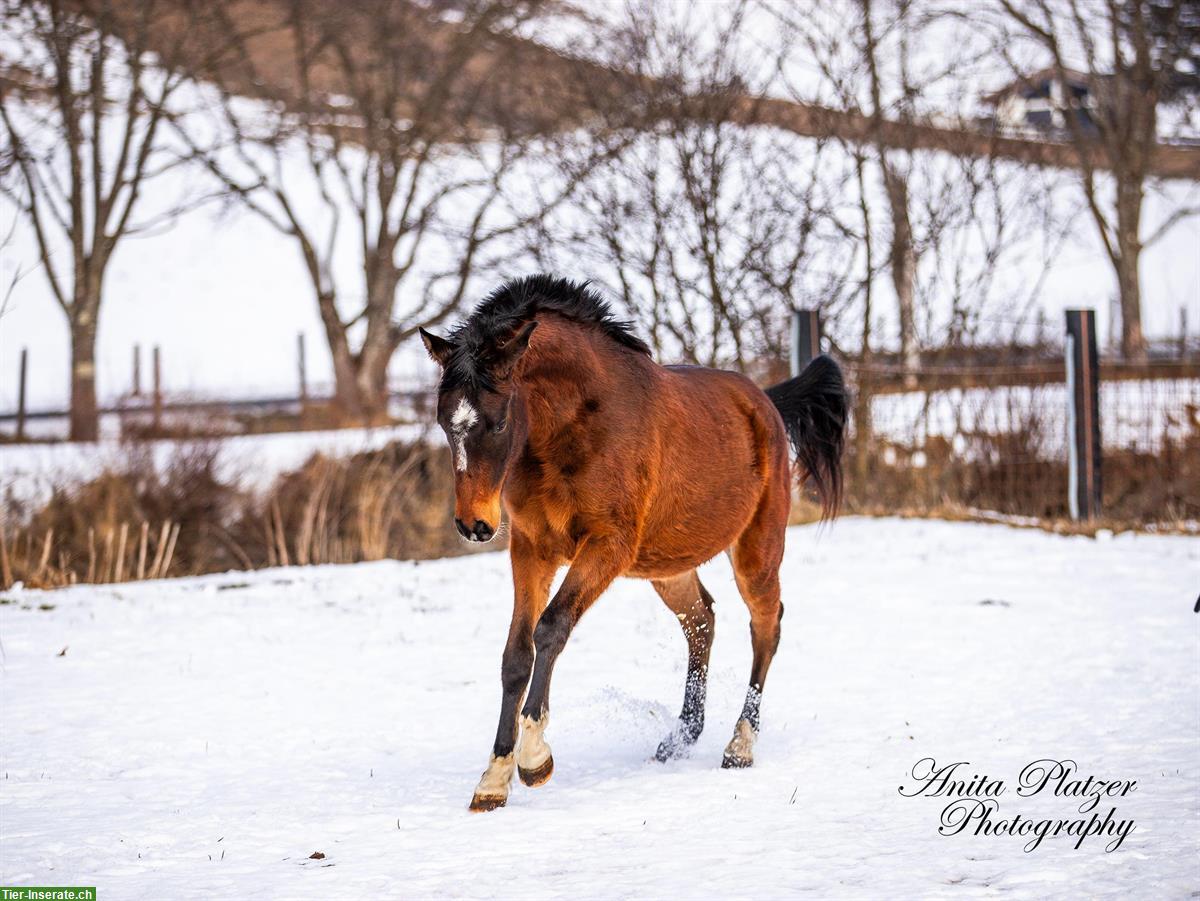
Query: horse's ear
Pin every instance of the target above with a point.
(439, 348)
(510, 351)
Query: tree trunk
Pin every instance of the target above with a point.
(345, 370)
(379, 343)
(379, 346)
(1129, 251)
(346, 396)
(373, 387)
(863, 389)
(85, 414)
(360, 379)
(903, 263)
(361, 390)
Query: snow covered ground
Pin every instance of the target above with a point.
(208, 735)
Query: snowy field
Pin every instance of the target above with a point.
(207, 735)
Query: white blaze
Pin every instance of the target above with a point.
(460, 423)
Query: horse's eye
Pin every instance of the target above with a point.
(500, 426)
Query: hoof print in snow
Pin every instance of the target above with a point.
(317, 855)
(484, 804)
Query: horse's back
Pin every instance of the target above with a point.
(721, 449)
(716, 398)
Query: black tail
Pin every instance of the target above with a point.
(814, 406)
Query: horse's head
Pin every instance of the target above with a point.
(479, 409)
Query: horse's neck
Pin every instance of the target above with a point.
(558, 378)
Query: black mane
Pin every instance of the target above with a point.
(517, 301)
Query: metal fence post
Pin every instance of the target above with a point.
(806, 338)
(158, 398)
(22, 379)
(1083, 416)
(303, 367)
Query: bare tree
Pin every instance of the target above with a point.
(1127, 53)
(706, 227)
(9, 285)
(83, 102)
(420, 128)
(871, 71)
(864, 72)
(902, 255)
(949, 217)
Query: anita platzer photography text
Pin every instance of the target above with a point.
(620, 449)
(974, 806)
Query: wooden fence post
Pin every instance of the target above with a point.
(806, 338)
(137, 371)
(158, 398)
(22, 374)
(1083, 416)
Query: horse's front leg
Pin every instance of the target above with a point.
(597, 563)
(532, 576)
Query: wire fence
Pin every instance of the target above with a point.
(972, 428)
(999, 440)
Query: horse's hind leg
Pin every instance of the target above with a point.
(693, 606)
(756, 558)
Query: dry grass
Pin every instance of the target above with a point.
(136, 522)
(395, 502)
(1140, 490)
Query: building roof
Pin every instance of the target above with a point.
(1036, 79)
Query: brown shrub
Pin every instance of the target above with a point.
(1006, 475)
(394, 502)
(139, 521)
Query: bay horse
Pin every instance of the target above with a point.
(612, 465)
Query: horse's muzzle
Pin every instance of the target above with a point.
(481, 531)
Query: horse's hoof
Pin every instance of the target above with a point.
(739, 753)
(539, 775)
(677, 744)
(534, 761)
(668, 750)
(484, 803)
(492, 790)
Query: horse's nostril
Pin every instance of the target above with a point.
(462, 528)
(483, 531)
